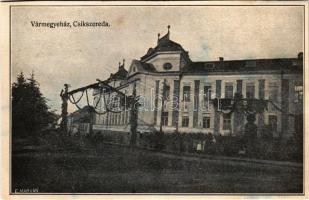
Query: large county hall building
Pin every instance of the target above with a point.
(197, 84)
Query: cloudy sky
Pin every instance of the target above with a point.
(80, 55)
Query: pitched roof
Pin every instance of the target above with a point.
(291, 64)
(121, 74)
(142, 66)
(82, 115)
(164, 44)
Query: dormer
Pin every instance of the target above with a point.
(138, 66)
(167, 56)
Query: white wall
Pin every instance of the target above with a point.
(159, 60)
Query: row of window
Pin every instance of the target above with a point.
(229, 91)
(227, 122)
(185, 121)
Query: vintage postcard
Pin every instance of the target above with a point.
(154, 98)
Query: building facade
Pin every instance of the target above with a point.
(177, 94)
(80, 121)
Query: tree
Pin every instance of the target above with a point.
(30, 112)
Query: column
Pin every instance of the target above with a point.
(261, 96)
(217, 115)
(284, 106)
(155, 112)
(238, 117)
(196, 103)
(175, 105)
(170, 102)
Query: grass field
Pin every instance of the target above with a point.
(114, 169)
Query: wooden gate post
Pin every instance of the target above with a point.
(133, 117)
(64, 109)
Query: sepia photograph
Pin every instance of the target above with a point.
(157, 99)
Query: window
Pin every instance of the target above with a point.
(229, 90)
(218, 88)
(207, 96)
(166, 93)
(250, 91)
(239, 86)
(262, 89)
(185, 121)
(206, 122)
(273, 122)
(209, 65)
(251, 63)
(273, 94)
(164, 118)
(298, 93)
(226, 122)
(167, 66)
(186, 93)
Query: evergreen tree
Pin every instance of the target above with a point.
(30, 113)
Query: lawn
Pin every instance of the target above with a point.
(115, 169)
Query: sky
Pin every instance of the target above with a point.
(78, 56)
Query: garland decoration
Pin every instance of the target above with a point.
(74, 102)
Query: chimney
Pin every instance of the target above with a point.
(168, 31)
(221, 58)
(158, 37)
(300, 55)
